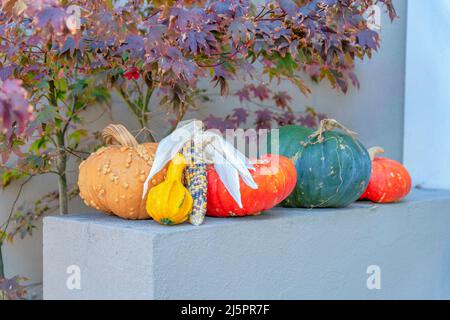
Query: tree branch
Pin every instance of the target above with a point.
(13, 207)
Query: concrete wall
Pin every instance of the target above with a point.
(375, 112)
(427, 112)
(282, 254)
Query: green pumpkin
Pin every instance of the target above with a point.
(333, 168)
(289, 139)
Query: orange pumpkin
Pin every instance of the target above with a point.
(276, 178)
(389, 182)
(111, 180)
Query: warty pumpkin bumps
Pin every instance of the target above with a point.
(111, 179)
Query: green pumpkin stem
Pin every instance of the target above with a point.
(373, 152)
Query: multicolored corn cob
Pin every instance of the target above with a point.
(196, 181)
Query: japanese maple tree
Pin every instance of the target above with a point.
(60, 57)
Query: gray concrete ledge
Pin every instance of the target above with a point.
(282, 254)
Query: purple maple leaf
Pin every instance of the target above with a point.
(212, 122)
(221, 72)
(244, 93)
(286, 118)
(181, 67)
(289, 7)
(282, 99)
(241, 31)
(329, 2)
(52, 17)
(199, 41)
(308, 120)
(368, 38)
(230, 8)
(240, 116)
(263, 119)
(184, 18)
(134, 44)
(261, 92)
(14, 106)
(6, 72)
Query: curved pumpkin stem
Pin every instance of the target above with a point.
(328, 125)
(118, 134)
(373, 152)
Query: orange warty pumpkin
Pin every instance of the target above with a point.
(276, 178)
(111, 180)
(389, 182)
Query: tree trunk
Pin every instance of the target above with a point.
(143, 121)
(61, 166)
(2, 267)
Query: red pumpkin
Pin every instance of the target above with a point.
(389, 182)
(276, 178)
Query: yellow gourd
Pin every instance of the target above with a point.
(170, 202)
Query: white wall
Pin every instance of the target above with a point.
(427, 98)
(375, 112)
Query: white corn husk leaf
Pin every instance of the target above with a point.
(228, 162)
(233, 157)
(227, 174)
(169, 147)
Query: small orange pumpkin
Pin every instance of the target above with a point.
(389, 182)
(111, 180)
